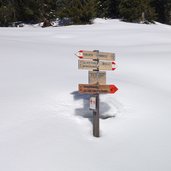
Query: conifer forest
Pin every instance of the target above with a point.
(83, 11)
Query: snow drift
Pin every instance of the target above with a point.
(45, 124)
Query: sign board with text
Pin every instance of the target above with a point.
(96, 55)
(94, 89)
(94, 77)
(92, 103)
(94, 65)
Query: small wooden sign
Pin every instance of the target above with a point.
(95, 89)
(87, 64)
(94, 77)
(93, 65)
(96, 55)
(107, 65)
(92, 103)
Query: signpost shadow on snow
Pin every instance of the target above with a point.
(84, 110)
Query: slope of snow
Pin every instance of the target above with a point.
(45, 124)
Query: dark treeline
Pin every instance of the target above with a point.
(83, 11)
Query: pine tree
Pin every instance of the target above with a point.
(114, 8)
(168, 13)
(7, 13)
(103, 8)
(136, 10)
(108, 8)
(35, 10)
(79, 11)
(163, 10)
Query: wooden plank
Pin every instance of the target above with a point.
(93, 65)
(107, 65)
(107, 56)
(87, 64)
(95, 89)
(94, 77)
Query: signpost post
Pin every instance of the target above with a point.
(96, 126)
(94, 61)
(96, 122)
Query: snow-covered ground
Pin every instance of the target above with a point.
(45, 124)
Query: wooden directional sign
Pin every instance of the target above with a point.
(93, 65)
(94, 77)
(107, 65)
(87, 64)
(94, 89)
(94, 55)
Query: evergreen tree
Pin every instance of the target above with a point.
(27, 11)
(168, 12)
(79, 11)
(136, 10)
(7, 13)
(103, 7)
(163, 10)
(114, 8)
(108, 8)
(35, 10)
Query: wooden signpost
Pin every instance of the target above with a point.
(94, 61)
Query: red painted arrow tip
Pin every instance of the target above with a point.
(113, 63)
(113, 89)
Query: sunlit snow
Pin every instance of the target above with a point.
(46, 125)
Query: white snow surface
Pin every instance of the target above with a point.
(45, 124)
